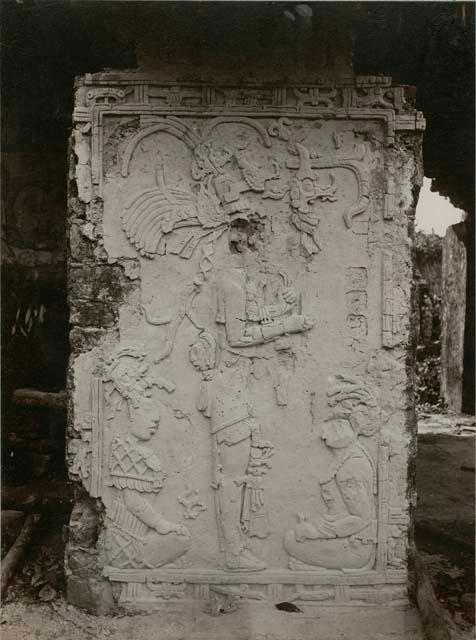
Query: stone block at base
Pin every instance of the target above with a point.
(93, 595)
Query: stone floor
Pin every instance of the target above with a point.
(445, 514)
(35, 608)
(250, 622)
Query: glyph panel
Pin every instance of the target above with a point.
(242, 417)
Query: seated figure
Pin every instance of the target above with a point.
(137, 535)
(345, 537)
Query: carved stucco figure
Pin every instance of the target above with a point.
(345, 536)
(137, 534)
(250, 314)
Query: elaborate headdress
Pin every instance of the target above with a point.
(128, 373)
(349, 395)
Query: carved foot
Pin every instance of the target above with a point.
(296, 565)
(368, 566)
(244, 561)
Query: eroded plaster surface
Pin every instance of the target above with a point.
(240, 283)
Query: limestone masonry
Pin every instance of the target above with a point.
(241, 416)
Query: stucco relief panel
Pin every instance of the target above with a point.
(236, 424)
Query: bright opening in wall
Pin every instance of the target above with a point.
(435, 213)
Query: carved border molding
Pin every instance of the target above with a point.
(368, 93)
(285, 576)
(362, 98)
(177, 594)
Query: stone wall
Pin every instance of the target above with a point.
(453, 315)
(240, 277)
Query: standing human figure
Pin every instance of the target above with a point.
(252, 311)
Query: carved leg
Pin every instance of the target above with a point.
(234, 461)
(341, 553)
(159, 550)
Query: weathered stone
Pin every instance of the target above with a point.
(256, 266)
(94, 595)
(453, 316)
(85, 339)
(82, 563)
(84, 524)
(80, 247)
(92, 314)
(97, 283)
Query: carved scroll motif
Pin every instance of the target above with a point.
(192, 505)
(105, 96)
(306, 187)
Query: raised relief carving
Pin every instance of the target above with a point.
(165, 219)
(312, 595)
(388, 319)
(127, 374)
(345, 537)
(251, 313)
(191, 503)
(82, 151)
(356, 302)
(85, 453)
(315, 97)
(305, 189)
(398, 520)
(138, 536)
(228, 194)
(105, 95)
(79, 458)
(314, 181)
(175, 96)
(165, 591)
(374, 97)
(251, 98)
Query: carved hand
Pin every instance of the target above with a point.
(305, 531)
(325, 529)
(289, 295)
(163, 527)
(180, 530)
(297, 324)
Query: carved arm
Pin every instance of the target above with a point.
(145, 512)
(239, 333)
(357, 501)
